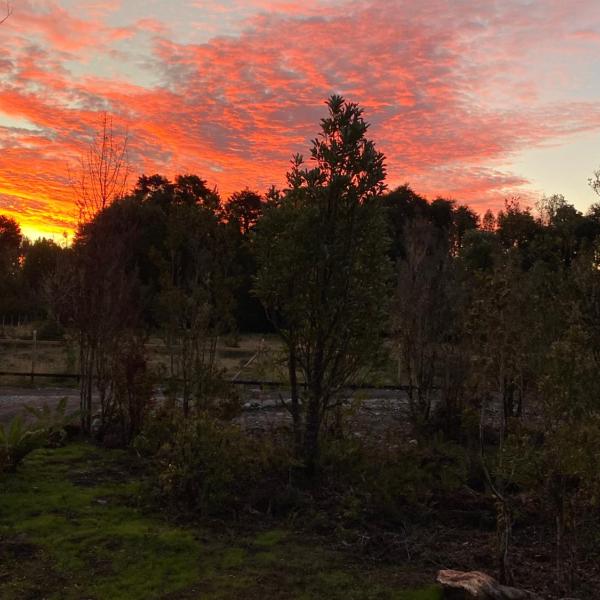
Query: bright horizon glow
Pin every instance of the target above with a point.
(474, 101)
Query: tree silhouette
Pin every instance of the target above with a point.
(323, 267)
(244, 209)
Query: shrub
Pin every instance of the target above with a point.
(210, 467)
(159, 429)
(387, 480)
(416, 475)
(16, 442)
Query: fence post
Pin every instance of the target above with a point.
(33, 355)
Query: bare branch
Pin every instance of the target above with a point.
(594, 182)
(9, 12)
(103, 170)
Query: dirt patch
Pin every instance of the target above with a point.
(26, 573)
(17, 550)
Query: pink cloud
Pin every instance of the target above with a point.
(451, 92)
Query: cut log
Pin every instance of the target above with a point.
(475, 585)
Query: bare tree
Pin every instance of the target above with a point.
(9, 11)
(103, 170)
(103, 284)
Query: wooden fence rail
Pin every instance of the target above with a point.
(241, 382)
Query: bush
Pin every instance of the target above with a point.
(125, 393)
(413, 475)
(388, 480)
(210, 467)
(159, 428)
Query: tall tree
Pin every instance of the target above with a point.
(323, 267)
(10, 245)
(10, 255)
(105, 305)
(38, 264)
(102, 178)
(423, 316)
(516, 226)
(196, 298)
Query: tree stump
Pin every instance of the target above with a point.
(474, 585)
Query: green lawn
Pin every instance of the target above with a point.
(70, 529)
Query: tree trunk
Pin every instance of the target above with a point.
(311, 435)
(295, 408)
(504, 531)
(475, 585)
(87, 358)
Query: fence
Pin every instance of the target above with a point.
(33, 374)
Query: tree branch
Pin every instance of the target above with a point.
(9, 12)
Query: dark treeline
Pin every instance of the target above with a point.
(493, 322)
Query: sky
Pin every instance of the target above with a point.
(474, 100)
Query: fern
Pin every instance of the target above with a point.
(16, 442)
(52, 422)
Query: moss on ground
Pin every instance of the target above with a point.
(70, 529)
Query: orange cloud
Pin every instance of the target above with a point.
(452, 91)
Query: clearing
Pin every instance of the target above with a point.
(72, 527)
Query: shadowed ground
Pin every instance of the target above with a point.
(71, 528)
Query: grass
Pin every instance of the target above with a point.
(60, 357)
(70, 528)
(233, 357)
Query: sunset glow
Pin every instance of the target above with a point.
(472, 100)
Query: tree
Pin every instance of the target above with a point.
(567, 463)
(480, 250)
(504, 333)
(463, 220)
(39, 261)
(155, 189)
(323, 271)
(103, 170)
(243, 209)
(422, 318)
(242, 213)
(102, 178)
(10, 245)
(105, 309)
(402, 205)
(488, 222)
(195, 298)
(516, 226)
(192, 190)
(10, 255)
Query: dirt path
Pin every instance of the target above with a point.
(262, 409)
